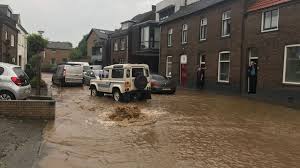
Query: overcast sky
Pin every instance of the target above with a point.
(69, 20)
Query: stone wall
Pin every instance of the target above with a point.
(28, 109)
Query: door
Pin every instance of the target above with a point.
(252, 82)
(183, 70)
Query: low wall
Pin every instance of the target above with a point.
(29, 109)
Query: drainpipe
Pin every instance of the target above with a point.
(127, 59)
(243, 63)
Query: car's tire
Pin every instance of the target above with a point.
(117, 95)
(94, 92)
(6, 95)
(140, 82)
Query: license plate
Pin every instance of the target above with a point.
(167, 89)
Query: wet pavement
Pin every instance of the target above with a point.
(189, 129)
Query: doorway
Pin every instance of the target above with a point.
(252, 78)
(183, 70)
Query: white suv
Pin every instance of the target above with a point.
(14, 83)
(124, 81)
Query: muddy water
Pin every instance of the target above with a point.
(190, 129)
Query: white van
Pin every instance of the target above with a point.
(85, 65)
(68, 74)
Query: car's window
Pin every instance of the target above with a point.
(147, 72)
(20, 73)
(1, 70)
(128, 73)
(117, 73)
(158, 77)
(137, 71)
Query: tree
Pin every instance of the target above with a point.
(80, 51)
(36, 44)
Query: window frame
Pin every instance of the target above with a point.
(170, 37)
(219, 66)
(123, 44)
(12, 40)
(202, 26)
(226, 19)
(167, 66)
(116, 45)
(285, 65)
(263, 30)
(184, 32)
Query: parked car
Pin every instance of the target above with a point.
(14, 83)
(91, 74)
(162, 84)
(124, 81)
(68, 74)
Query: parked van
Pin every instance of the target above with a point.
(14, 83)
(68, 74)
(85, 65)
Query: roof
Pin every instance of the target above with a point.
(192, 8)
(261, 4)
(101, 33)
(126, 66)
(141, 17)
(59, 45)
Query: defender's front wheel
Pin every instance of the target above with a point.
(117, 95)
(94, 92)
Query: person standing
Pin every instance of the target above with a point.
(252, 74)
(200, 77)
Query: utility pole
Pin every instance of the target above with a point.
(39, 74)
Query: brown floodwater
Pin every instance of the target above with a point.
(189, 129)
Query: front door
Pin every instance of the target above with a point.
(252, 79)
(183, 70)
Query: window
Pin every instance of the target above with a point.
(117, 73)
(53, 61)
(137, 71)
(12, 40)
(291, 71)
(203, 29)
(116, 46)
(170, 33)
(96, 51)
(122, 61)
(184, 33)
(169, 66)
(224, 67)
(123, 44)
(1, 70)
(145, 35)
(270, 20)
(6, 35)
(226, 23)
(53, 51)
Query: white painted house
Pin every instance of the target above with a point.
(22, 43)
(166, 8)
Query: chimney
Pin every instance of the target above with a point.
(153, 8)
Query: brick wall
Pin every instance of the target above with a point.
(58, 54)
(120, 54)
(270, 48)
(13, 51)
(211, 47)
(29, 109)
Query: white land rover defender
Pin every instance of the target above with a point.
(124, 81)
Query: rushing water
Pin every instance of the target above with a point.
(189, 129)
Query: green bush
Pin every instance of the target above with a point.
(34, 82)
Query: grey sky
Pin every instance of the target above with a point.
(69, 20)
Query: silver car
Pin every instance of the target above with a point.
(14, 83)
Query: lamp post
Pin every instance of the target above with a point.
(39, 75)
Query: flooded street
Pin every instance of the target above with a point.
(189, 129)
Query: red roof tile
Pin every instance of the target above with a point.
(261, 4)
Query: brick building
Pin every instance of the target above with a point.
(56, 53)
(137, 41)
(98, 47)
(8, 36)
(272, 39)
(207, 32)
